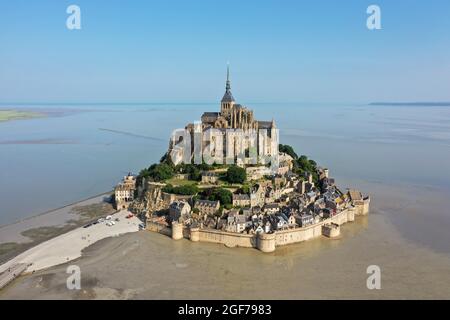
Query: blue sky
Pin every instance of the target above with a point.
(176, 51)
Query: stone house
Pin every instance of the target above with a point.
(291, 220)
(241, 200)
(257, 196)
(281, 223)
(260, 229)
(285, 163)
(124, 192)
(256, 173)
(182, 176)
(279, 181)
(305, 220)
(267, 227)
(272, 194)
(207, 207)
(179, 211)
(271, 208)
(209, 177)
(237, 223)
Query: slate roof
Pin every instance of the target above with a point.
(264, 124)
(228, 97)
(354, 194)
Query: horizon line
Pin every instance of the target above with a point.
(168, 102)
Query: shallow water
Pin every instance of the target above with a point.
(82, 150)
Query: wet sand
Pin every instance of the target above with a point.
(146, 265)
(11, 115)
(18, 237)
(69, 246)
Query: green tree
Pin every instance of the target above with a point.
(287, 149)
(188, 189)
(223, 195)
(143, 174)
(161, 171)
(305, 166)
(236, 174)
(245, 188)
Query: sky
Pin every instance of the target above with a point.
(177, 51)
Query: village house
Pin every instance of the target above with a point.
(124, 192)
(292, 221)
(257, 195)
(267, 227)
(284, 199)
(311, 196)
(241, 200)
(207, 207)
(237, 223)
(260, 229)
(285, 163)
(271, 208)
(247, 211)
(305, 220)
(256, 173)
(282, 223)
(279, 181)
(272, 194)
(209, 177)
(182, 176)
(180, 211)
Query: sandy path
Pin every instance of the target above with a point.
(68, 246)
(57, 217)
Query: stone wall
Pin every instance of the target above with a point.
(229, 239)
(264, 242)
(159, 228)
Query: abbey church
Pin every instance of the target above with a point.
(233, 115)
(234, 122)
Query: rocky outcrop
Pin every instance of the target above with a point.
(150, 200)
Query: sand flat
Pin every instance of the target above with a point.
(68, 246)
(9, 115)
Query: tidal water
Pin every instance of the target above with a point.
(78, 151)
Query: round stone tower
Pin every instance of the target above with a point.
(195, 234)
(266, 242)
(351, 214)
(177, 231)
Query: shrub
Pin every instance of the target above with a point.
(236, 174)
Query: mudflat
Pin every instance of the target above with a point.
(7, 115)
(22, 235)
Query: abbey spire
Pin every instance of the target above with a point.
(228, 97)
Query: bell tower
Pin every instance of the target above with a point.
(227, 102)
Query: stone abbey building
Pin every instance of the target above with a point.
(233, 125)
